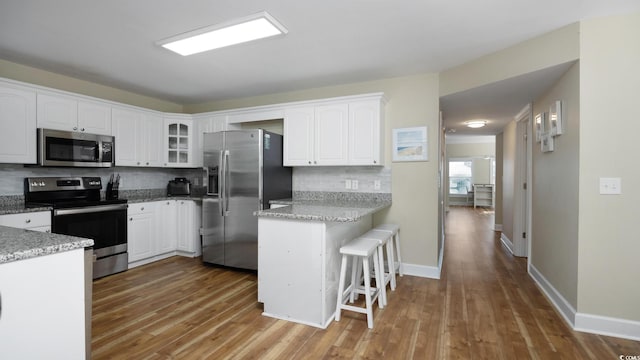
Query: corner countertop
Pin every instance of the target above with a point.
(19, 244)
(326, 208)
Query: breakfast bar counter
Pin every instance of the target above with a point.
(299, 254)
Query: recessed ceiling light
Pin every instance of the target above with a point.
(475, 123)
(249, 28)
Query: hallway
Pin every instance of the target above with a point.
(493, 308)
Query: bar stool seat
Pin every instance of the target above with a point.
(394, 229)
(359, 250)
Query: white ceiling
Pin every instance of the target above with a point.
(329, 42)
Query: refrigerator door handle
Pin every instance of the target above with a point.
(223, 184)
(226, 181)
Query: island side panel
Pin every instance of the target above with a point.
(290, 269)
(43, 310)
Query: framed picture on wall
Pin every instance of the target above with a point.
(555, 118)
(540, 126)
(410, 144)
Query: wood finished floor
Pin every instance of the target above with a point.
(485, 306)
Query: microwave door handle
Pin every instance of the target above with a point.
(99, 151)
(206, 179)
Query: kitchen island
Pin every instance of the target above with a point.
(42, 295)
(299, 258)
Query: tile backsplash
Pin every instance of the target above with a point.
(334, 179)
(325, 179)
(12, 176)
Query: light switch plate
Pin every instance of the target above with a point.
(376, 184)
(610, 186)
(347, 184)
(354, 184)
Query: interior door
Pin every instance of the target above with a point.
(242, 166)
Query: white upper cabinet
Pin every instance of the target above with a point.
(178, 141)
(335, 133)
(70, 114)
(366, 142)
(299, 133)
(17, 125)
(331, 134)
(138, 137)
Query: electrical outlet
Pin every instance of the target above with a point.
(376, 184)
(610, 186)
(347, 184)
(354, 184)
(196, 181)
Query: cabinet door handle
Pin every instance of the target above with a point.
(75, 128)
(82, 129)
(309, 162)
(28, 221)
(375, 162)
(130, 219)
(142, 208)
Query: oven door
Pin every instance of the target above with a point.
(106, 225)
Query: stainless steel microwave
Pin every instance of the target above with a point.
(67, 148)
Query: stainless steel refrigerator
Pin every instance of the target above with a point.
(243, 172)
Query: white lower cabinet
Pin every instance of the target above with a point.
(189, 227)
(36, 221)
(159, 229)
(43, 309)
(141, 231)
(167, 227)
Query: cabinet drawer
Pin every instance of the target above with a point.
(27, 220)
(141, 208)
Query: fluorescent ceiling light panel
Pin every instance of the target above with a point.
(476, 123)
(253, 27)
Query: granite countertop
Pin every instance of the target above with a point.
(19, 244)
(334, 207)
(7, 209)
(138, 196)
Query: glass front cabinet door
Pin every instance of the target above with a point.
(178, 142)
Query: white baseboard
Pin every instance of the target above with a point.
(431, 272)
(497, 227)
(506, 242)
(594, 324)
(608, 326)
(557, 300)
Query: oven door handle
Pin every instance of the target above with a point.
(89, 209)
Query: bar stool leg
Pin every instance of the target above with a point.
(380, 275)
(367, 295)
(397, 241)
(392, 264)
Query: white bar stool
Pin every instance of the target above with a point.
(388, 277)
(394, 229)
(360, 250)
